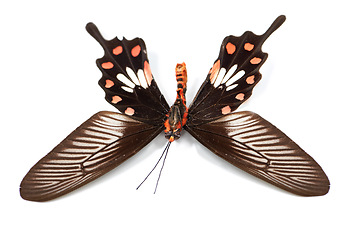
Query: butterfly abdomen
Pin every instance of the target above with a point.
(177, 116)
(181, 77)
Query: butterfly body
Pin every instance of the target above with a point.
(177, 116)
(244, 139)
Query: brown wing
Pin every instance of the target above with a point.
(100, 144)
(254, 145)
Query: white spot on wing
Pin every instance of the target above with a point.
(231, 87)
(127, 89)
(236, 77)
(226, 78)
(132, 76)
(220, 77)
(229, 73)
(122, 78)
(142, 78)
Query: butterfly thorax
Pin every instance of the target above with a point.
(177, 115)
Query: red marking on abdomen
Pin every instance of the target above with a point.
(135, 51)
(167, 125)
(117, 50)
(181, 74)
(230, 48)
(184, 120)
(107, 65)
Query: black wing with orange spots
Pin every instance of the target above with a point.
(97, 146)
(127, 79)
(232, 77)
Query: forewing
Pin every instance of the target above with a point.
(127, 79)
(254, 145)
(100, 144)
(233, 76)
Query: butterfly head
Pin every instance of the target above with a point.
(173, 135)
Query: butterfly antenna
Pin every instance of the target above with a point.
(165, 150)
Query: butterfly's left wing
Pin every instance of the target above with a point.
(127, 79)
(254, 145)
(233, 76)
(97, 146)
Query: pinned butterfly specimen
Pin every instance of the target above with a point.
(244, 139)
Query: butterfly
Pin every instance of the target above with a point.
(244, 139)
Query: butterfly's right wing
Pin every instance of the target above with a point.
(100, 144)
(233, 76)
(127, 79)
(254, 145)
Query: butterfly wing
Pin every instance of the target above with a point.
(245, 139)
(254, 145)
(233, 76)
(127, 79)
(100, 144)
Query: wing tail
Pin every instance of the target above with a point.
(274, 26)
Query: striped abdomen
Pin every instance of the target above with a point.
(177, 116)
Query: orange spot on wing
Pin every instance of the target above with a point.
(255, 60)
(225, 110)
(240, 96)
(129, 111)
(116, 99)
(250, 79)
(248, 46)
(117, 50)
(148, 74)
(109, 83)
(230, 48)
(214, 71)
(135, 51)
(107, 65)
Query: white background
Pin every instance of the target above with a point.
(309, 90)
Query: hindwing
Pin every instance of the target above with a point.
(127, 79)
(233, 76)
